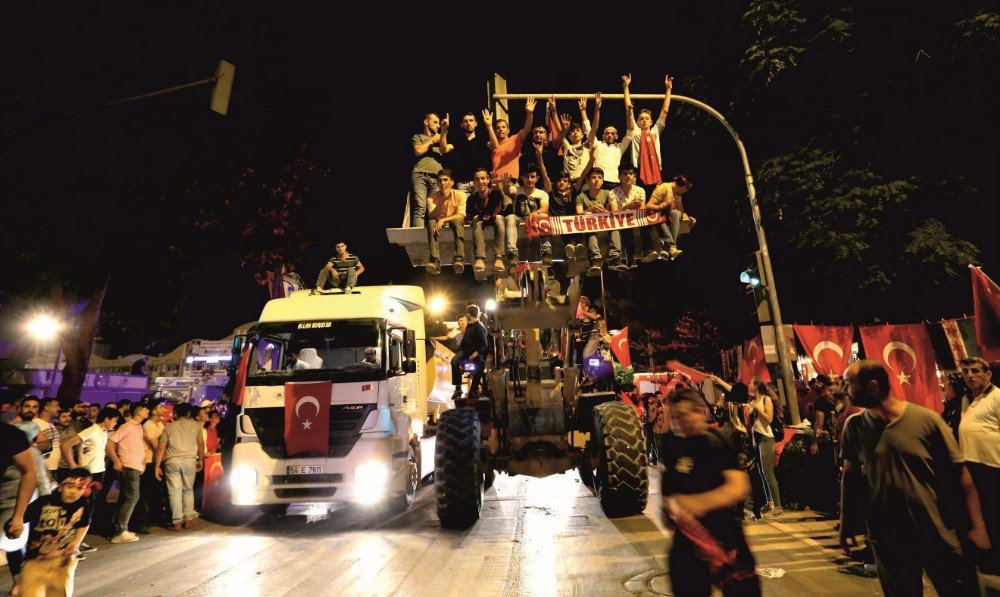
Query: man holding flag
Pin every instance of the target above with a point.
(704, 489)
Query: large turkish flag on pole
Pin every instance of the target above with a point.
(905, 351)
(753, 364)
(986, 302)
(829, 346)
(619, 346)
(307, 417)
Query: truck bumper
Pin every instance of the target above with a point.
(369, 474)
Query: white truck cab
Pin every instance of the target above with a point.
(367, 349)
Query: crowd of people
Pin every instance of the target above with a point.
(60, 463)
(557, 168)
(924, 492)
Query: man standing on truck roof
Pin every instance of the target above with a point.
(341, 270)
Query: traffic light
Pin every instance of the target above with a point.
(756, 287)
(223, 87)
(751, 277)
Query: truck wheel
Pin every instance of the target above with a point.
(458, 474)
(403, 502)
(488, 477)
(586, 474)
(622, 478)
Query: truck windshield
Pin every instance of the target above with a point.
(317, 350)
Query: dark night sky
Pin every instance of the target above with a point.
(359, 86)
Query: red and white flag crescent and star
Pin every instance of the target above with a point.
(592, 222)
(829, 346)
(905, 351)
(619, 346)
(986, 305)
(307, 417)
(753, 364)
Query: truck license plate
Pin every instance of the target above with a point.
(304, 469)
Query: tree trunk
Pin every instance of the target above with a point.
(76, 347)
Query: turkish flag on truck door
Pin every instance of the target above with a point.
(307, 417)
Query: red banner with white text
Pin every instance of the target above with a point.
(307, 417)
(591, 222)
(829, 346)
(906, 352)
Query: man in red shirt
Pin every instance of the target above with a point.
(507, 149)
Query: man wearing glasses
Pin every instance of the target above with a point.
(341, 271)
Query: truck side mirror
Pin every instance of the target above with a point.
(410, 344)
(409, 366)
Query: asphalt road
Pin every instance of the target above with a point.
(536, 537)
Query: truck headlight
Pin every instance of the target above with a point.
(243, 477)
(370, 481)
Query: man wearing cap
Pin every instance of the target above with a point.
(341, 270)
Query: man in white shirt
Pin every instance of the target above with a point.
(979, 438)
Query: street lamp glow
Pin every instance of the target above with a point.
(44, 328)
(437, 305)
(491, 305)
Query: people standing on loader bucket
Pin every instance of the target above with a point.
(341, 271)
(475, 343)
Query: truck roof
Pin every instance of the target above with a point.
(365, 301)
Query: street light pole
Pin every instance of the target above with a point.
(781, 343)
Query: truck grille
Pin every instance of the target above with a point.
(303, 492)
(345, 428)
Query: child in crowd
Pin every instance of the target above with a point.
(58, 524)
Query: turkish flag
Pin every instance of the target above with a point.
(829, 346)
(619, 346)
(986, 305)
(753, 364)
(307, 417)
(695, 375)
(241, 374)
(905, 351)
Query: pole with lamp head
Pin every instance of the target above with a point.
(44, 328)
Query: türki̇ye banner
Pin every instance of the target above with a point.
(592, 222)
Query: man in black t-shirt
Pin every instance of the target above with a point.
(703, 488)
(465, 152)
(59, 523)
(14, 449)
(341, 271)
(483, 209)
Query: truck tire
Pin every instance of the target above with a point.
(622, 479)
(402, 502)
(458, 474)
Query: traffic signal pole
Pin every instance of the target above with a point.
(786, 378)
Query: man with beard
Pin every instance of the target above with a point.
(562, 202)
(427, 148)
(920, 494)
(507, 149)
(482, 208)
(541, 144)
(465, 152)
